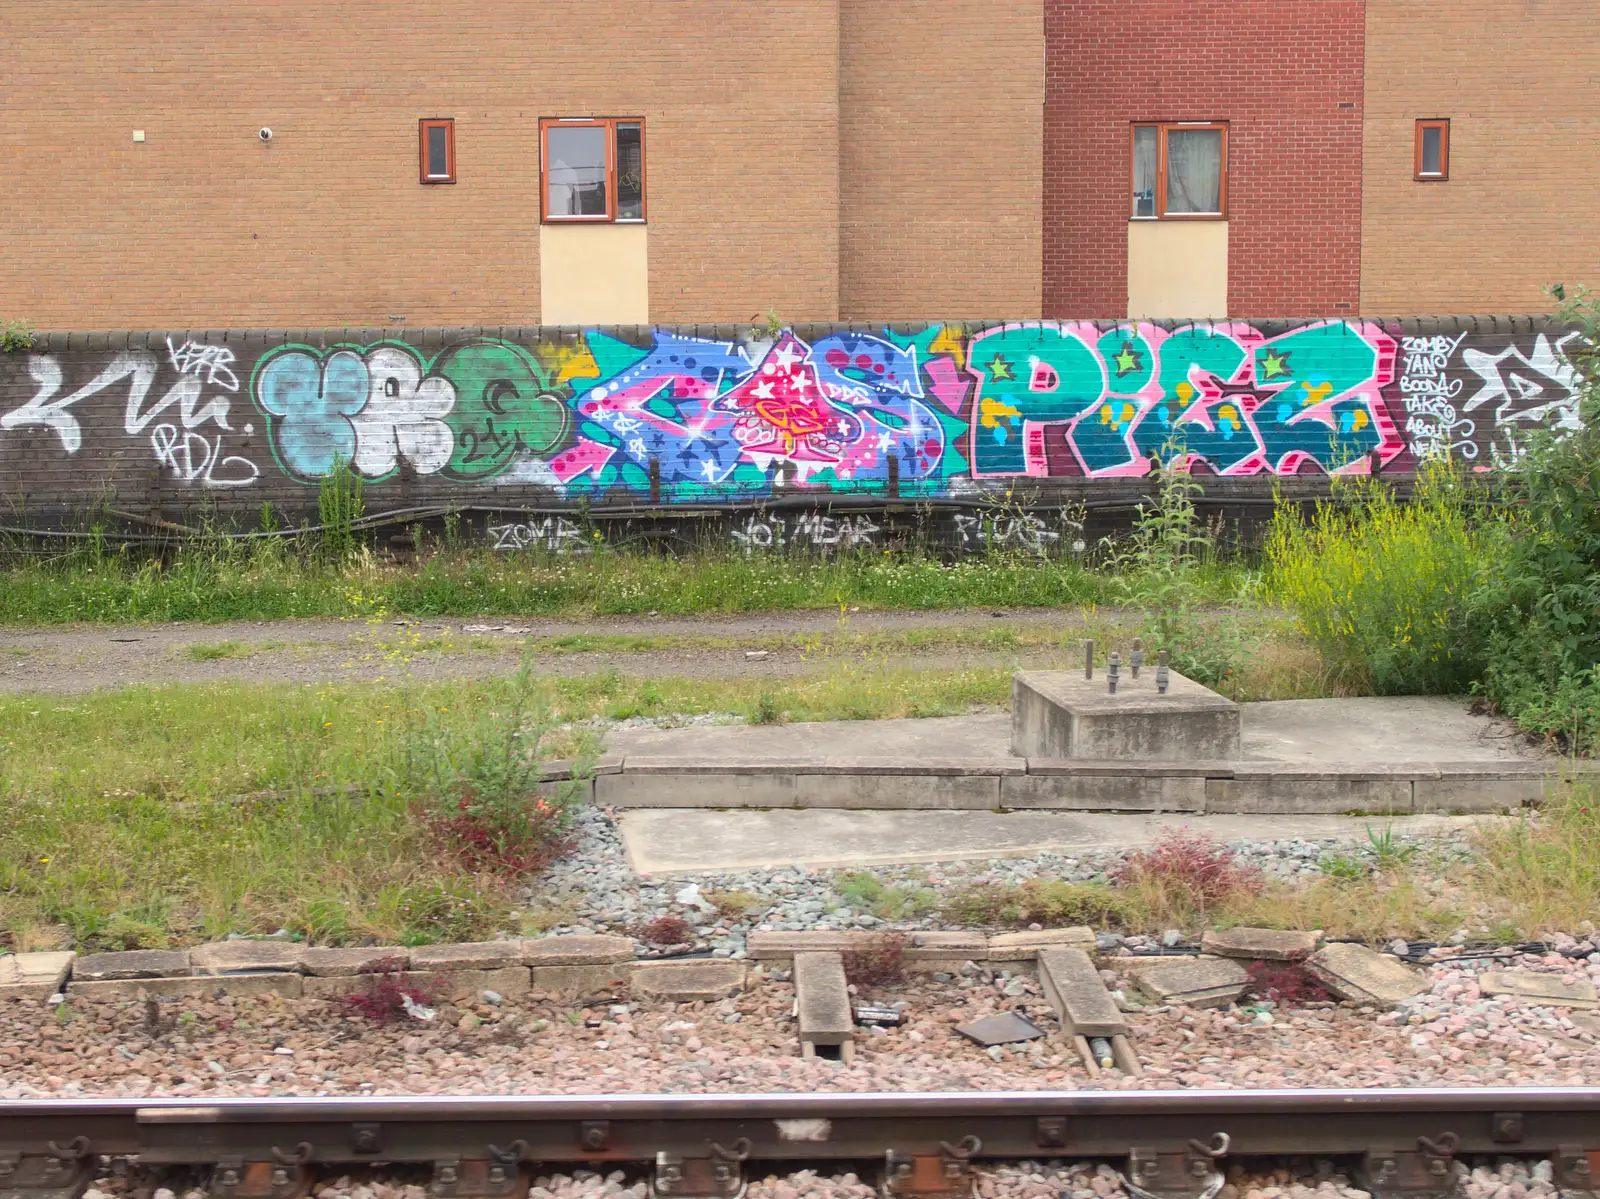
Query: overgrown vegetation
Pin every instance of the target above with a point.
(16, 335)
(218, 579)
(1516, 880)
(144, 818)
(1467, 588)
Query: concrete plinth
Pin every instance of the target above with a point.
(1061, 714)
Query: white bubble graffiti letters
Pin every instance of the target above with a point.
(197, 358)
(401, 418)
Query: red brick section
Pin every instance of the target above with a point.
(1278, 73)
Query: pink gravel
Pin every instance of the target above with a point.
(271, 1046)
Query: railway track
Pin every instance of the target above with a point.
(1404, 1144)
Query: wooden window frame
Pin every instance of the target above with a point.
(1162, 128)
(448, 124)
(1443, 175)
(609, 124)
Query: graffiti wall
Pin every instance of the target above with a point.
(667, 417)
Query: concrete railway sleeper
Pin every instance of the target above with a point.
(1409, 1144)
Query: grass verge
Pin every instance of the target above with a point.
(270, 583)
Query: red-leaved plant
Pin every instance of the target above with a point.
(384, 1000)
(1286, 983)
(666, 930)
(1194, 865)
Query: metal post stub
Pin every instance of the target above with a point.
(62, 1173)
(947, 1175)
(1088, 659)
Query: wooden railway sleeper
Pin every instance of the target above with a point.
(946, 1175)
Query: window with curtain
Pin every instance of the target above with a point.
(1180, 170)
(593, 169)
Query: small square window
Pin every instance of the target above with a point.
(593, 169)
(1180, 170)
(437, 136)
(1433, 150)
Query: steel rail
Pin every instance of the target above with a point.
(778, 1127)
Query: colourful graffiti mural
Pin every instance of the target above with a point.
(840, 414)
(936, 411)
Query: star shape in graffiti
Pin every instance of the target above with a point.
(1128, 360)
(999, 368)
(1274, 364)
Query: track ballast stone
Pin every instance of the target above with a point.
(596, 882)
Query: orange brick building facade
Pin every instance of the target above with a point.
(824, 160)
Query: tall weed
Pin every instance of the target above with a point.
(1381, 587)
(1160, 567)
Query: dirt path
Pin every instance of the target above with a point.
(86, 657)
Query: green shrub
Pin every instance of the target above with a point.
(1053, 904)
(1382, 587)
(1540, 614)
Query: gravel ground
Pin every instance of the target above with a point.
(597, 887)
(1507, 1178)
(272, 1046)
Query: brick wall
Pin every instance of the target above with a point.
(1517, 81)
(940, 109)
(202, 225)
(1278, 73)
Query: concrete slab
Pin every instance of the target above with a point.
(666, 841)
(1260, 944)
(687, 981)
(1387, 729)
(1364, 975)
(1073, 986)
(822, 1003)
(1539, 988)
(984, 736)
(1193, 982)
(1307, 732)
(34, 975)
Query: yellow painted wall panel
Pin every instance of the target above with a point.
(594, 274)
(1177, 268)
